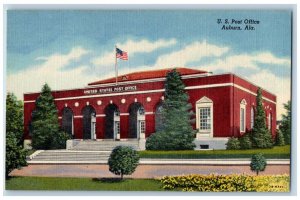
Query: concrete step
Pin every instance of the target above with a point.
(103, 145)
(66, 155)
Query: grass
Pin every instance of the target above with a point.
(86, 184)
(275, 152)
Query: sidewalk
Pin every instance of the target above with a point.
(153, 161)
(143, 170)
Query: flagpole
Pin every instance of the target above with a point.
(116, 67)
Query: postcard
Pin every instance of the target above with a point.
(149, 99)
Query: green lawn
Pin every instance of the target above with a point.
(276, 152)
(47, 183)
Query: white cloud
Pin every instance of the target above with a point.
(190, 53)
(269, 58)
(246, 61)
(32, 79)
(279, 86)
(131, 47)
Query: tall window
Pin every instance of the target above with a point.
(142, 124)
(204, 117)
(117, 127)
(252, 117)
(270, 121)
(243, 115)
(159, 118)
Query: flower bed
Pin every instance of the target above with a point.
(227, 183)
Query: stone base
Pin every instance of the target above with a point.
(210, 143)
(142, 144)
(71, 143)
(27, 144)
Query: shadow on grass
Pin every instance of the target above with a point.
(109, 180)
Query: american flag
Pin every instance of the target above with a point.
(121, 54)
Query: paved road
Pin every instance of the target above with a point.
(142, 171)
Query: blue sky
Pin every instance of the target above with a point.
(69, 49)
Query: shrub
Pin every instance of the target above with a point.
(226, 183)
(15, 155)
(245, 141)
(60, 140)
(258, 163)
(168, 141)
(123, 160)
(279, 139)
(233, 143)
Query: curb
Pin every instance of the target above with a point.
(175, 162)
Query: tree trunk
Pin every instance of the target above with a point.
(122, 176)
(257, 173)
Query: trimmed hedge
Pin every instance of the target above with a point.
(233, 143)
(227, 183)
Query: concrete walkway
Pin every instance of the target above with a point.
(142, 171)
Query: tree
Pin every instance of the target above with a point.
(285, 126)
(14, 118)
(279, 138)
(15, 155)
(258, 163)
(177, 132)
(123, 160)
(261, 136)
(45, 126)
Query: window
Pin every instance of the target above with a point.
(117, 127)
(205, 118)
(242, 119)
(270, 121)
(243, 115)
(159, 118)
(142, 127)
(252, 117)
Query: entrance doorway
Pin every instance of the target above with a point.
(89, 122)
(112, 122)
(67, 121)
(137, 123)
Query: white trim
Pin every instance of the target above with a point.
(31, 101)
(208, 86)
(161, 90)
(59, 117)
(124, 114)
(109, 95)
(78, 116)
(100, 115)
(253, 93)
(149, 113)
